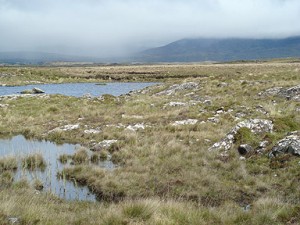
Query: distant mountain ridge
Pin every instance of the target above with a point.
(230, 49)
(185, 50)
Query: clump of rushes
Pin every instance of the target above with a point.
(63, 158)
(95, 158)
(81, 156)
(8, 163)
(138, 211)
(35, 161)
(6, 178)
(38, 185)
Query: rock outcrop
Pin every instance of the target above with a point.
(33, 91)
(179, 87)
(288, 145)
(292, 93)
(255, 125)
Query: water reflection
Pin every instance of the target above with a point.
(80, 89)
(20, 147)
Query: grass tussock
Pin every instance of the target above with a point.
(33, 162)
(8, 164)
(80, 156)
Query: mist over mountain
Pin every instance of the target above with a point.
(185, 50)
(231, 49)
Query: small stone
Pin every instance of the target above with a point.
(213, 120)
(222, 84)
(263, 144)
(37, 91)
(207, 102)
(13, 220)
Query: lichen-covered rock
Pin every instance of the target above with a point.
(179, 87)
(185, 122)
(255, 125)
(289, 145)
(292, 93)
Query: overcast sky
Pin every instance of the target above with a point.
(116, 27)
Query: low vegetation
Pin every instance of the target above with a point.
(164, 172)
(33, 162)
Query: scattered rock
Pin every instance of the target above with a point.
(207, 102)
(173, 104)
(4, 105)
(68, 127)
(222, 84)
(119, 125)
(242, 158)
(15, 96)
(91, 131)
(13, 220)
(260, 108)
(240, 115)
(138, 126)
(292, 93)
(255, 125)
(263, 144)
(290, 144)
(37, 91)
(220, 111)
(213, 119)
(244, 149)
(185, 122)
(131, 116)
(33, 91)
(103, 145)
(87, 96)
(179, 87)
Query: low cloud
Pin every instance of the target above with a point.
(118, 27)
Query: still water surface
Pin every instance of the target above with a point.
(80, 89)
(20, 147)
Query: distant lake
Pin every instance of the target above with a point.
(80, 89)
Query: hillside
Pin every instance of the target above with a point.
(191, 50)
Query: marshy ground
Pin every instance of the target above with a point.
(159, 138)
